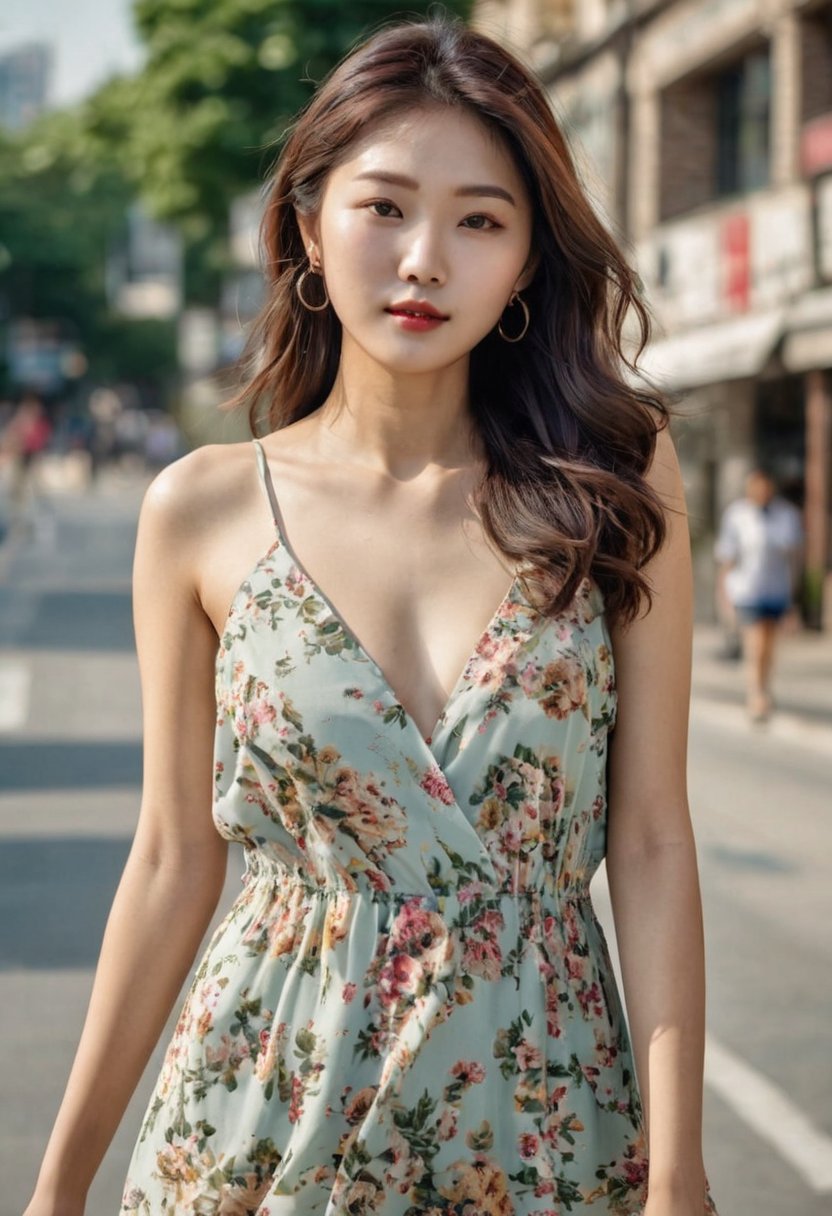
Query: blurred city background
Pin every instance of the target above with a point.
(134, 141)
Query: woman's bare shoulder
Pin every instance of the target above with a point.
(185, 492)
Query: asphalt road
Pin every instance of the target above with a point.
(70, 769)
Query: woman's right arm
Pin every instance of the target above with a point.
(175, 872)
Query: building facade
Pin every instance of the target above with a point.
(24, 84)
(703, 132)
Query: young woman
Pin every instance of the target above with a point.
(384, 648)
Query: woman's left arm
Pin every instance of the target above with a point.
(651, 860)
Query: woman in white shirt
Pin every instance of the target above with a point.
(758, 549)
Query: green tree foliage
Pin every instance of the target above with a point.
(63, 197)
(200, 124)
(222, 81)
(57, 210)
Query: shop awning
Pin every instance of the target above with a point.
(730, 350)
(808, 343)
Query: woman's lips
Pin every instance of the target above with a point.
(415, 322)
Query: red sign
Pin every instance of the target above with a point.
(736, 276)
(816, 145)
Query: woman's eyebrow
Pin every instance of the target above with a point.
(399, 179)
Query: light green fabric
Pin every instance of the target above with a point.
(410, 1007)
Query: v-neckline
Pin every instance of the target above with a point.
(358, 645)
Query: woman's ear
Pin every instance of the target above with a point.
(308, 228)
(529, 271)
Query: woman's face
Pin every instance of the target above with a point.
(454, 230)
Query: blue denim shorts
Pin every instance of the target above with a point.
(762, 610)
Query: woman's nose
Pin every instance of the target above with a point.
(422, 259)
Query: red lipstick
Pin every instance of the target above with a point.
(416, 315)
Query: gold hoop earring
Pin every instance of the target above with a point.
(311, 307)
(515, 298)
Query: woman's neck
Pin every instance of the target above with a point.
(399, 425)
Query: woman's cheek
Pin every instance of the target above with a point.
(353, 239)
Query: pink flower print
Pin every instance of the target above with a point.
(490, 920)
(296, 1100)
(557, 1096)
(241, 723)
(490, 659)
(527, 678)
(590, 999)
(406, 1167)
(527, 1055)
(469, 1072)
(575, 967)
(447, 1125)
(418, 932)
(469, 891)
(483, 957)
(606, 1053)
(527, 1144)
(270, 1043)
(348, 992)
(399, 977)
(511, 836)
(261, 711)
(435, 783)
(295, 582)
(378, 880)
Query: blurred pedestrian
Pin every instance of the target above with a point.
(26, 435)
(759, 549)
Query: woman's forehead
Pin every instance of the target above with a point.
(430, 143)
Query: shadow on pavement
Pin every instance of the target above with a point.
(37, 765)
(75, 620)
(55, 895)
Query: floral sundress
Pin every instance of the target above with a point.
(409, 1009)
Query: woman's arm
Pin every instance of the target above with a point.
(175, 871)
(651, 861)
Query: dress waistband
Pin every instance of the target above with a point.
(260, 867)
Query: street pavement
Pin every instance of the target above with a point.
(70, 774)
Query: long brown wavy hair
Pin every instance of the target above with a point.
(567, 437)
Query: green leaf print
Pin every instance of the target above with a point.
(527, 1175)
(568, 1192)
(269, 763)
(395, 713)
(481, 1139)
(364, 1048)
(328, 811)
(305, 1042)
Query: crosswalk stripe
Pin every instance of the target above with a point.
(769, 1112)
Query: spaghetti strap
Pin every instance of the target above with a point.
(267, 483)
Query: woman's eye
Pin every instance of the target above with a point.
(488, 220)
(381, 203)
